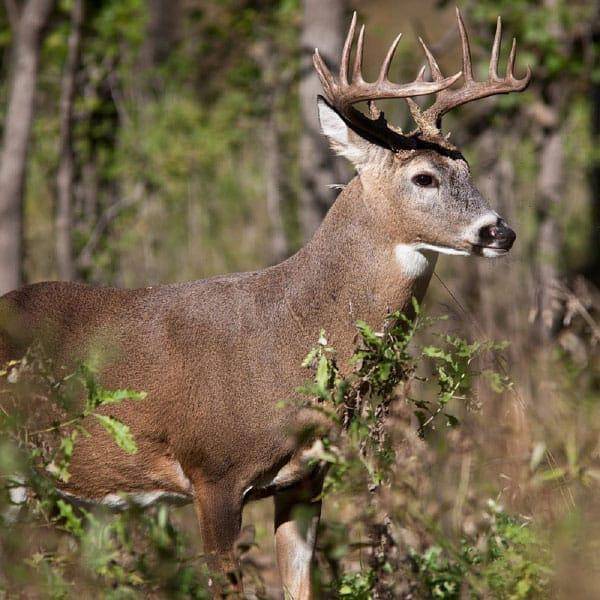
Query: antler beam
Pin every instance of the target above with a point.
(446, 99)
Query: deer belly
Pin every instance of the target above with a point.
(122, 501)
(165, 483)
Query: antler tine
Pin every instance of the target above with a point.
(385, 66)
(466, 48)
(493, 70)
(436, 73)
(325, 75)
(446, 99)
(510, 67)
(345, 63)
(357, 71)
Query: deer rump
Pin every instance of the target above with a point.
(214, 362)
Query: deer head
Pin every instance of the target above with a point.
(419, 182)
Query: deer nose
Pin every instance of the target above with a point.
(498, 235)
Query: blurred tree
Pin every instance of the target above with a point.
(66, 165)
(323, 26)
(27, 24)
(163, 31)
(268, 59)
(593, 265)
(556, 97)
(528, 155)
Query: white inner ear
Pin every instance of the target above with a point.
(332, 125)
(343, 140)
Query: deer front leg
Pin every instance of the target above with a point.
(219, 511)
(297, 516)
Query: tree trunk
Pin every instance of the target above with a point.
(275, 193)
(266, 56)
(593, 268)
(549, 237)
(548, 195)
(17, 128)
(66, 168)
(323, 27)
(162, 32)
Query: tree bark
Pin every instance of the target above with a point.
(549, 237)
(17, 129)
(162, 32)
(66, 166)
(549, 186)
(275, 193)
(593, 268)
(266, 56)
(323, 27)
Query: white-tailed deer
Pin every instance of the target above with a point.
(217, 356)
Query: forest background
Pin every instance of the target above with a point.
(154, 141)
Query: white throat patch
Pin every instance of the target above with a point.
(416, 260)
(413, 263)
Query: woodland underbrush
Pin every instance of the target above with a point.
(444, 480)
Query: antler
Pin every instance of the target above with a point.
(430, 119)
(343, 93)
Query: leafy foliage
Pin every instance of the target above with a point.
(384, 370)
(122, 554)
(506, 559)
(510, 559)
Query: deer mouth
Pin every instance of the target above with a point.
(489, 251)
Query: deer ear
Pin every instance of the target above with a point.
(343, 139)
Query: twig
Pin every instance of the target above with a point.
(59, 426)
(106, 218)
(581, 309)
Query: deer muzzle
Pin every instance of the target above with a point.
(494, 239)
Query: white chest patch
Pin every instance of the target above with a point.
(412, 261)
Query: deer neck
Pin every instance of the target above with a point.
(353, 269)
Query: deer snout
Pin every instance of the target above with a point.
(492, 237)
(499, 235)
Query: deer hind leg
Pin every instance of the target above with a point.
(297, 514)
(219, 511)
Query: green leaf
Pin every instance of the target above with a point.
(553, 474)
(116, 396)
(119, 432)
(322, 376)
(72, 522)
(435, 352)
(310, 357)
(367, 333)
(384, 371)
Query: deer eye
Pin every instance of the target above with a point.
(425, 180)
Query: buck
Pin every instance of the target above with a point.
(217, 356)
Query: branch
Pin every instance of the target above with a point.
(106, 218)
